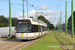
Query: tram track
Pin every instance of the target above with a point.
(6, 48)
(7, 42)
(67, 40)
(15, 45)
(22, 45)
(28, 43)
(60, 41)
(8, 45)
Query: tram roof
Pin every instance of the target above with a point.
(34, 21)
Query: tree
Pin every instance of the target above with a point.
(42, 18)
(3, 21)
(14, 21)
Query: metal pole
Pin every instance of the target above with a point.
(23, 8)
(36, 15)
(66, 17)
(72, 21)
(27, 8)
(10, 18)
(54, 28)
(60, 22)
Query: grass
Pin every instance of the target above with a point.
(48, 42)
(72, 40)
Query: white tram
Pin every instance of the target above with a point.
(30, 28)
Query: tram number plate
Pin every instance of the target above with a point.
(22, 34)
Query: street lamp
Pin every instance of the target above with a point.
(23, 8)
(57, 6)
(27, 7)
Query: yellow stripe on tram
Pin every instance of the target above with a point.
(22, 34)
(35, 36)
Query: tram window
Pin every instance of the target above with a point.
(39, 29)
(34, 28)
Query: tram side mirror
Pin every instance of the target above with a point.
(16, 28)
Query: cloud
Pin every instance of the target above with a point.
(55, 23)
(8, 16)
(54, 20)
(19, 15)
(42, 7)
(5, 15)
(31, 13)
(12, 16)
(50, 12)
(48, 15)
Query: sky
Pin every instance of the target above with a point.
(50, 8)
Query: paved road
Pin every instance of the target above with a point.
(14, 44)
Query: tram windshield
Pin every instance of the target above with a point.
(23, 27)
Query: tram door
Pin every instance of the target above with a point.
(41, 30)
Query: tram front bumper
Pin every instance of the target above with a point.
(25, 38)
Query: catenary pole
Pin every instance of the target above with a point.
(60, 21)
(10, 18)
(36, 15)
(72, 21)
(66, 16)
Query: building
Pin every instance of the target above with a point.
(69, 21)
(63, 26)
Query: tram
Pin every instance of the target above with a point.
(30, 28)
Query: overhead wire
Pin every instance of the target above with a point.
(16, 4)
(16, 7)
(59, 2)
(20, 4)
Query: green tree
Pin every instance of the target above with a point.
(3, 21)
(14, 21)
(42, 18)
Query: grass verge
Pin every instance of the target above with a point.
(48, 42)
(72, 40)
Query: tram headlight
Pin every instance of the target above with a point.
(26, 34)
(17, 34)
